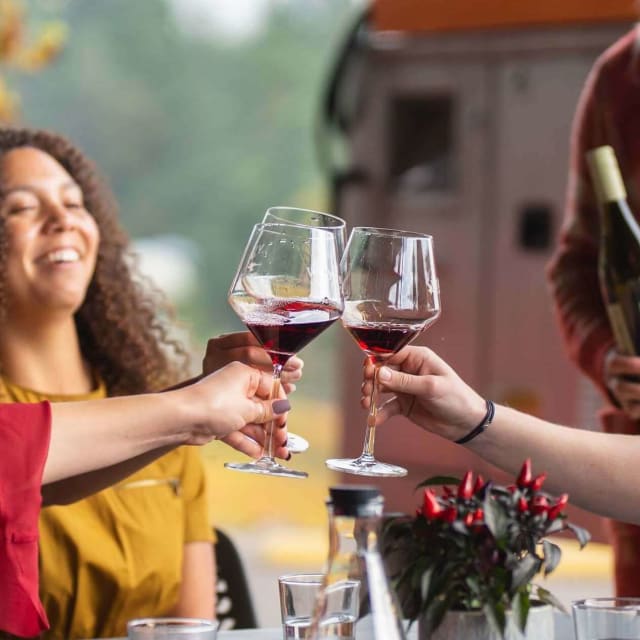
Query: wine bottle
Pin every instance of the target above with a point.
(619, 252)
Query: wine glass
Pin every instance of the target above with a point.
(287, 292)
(307, 218)
(391, 295)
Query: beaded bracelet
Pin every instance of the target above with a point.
(486, 421)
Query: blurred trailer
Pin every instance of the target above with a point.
(452, 117)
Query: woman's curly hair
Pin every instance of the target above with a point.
(122, 323)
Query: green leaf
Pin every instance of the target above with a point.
(557, 525)
(425, 583)
(520, 606)
(524, 571)
(438, 480)
(548, 598)
(496, 616)
(582, 534)
(434, 614)
(552, 555)
(495, 517)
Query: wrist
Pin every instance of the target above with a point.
(181, 415)
(481, 426)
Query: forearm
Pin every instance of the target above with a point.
(599, 471)
(80, 486)
(197, 597)
(92, 435)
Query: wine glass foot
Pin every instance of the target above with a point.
(296, 443)
(266, 466)
(366, 467)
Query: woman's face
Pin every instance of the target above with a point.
(52, 240)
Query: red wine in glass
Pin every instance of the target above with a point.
(381, 341)
(287, 327)
(287, 292)
(391, 294)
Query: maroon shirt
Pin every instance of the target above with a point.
(608, 113)
(24, 442)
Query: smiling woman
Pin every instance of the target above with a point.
(76, 325)
(52, 240)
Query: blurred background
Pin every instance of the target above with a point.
(418, 114)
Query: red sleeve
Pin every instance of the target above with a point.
(24, 442)
(573, 270)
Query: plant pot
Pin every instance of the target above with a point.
(473, 625)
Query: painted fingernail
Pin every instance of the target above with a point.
(289, 456)
(285, 443)
(281, 406)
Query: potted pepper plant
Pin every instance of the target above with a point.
(464, 565)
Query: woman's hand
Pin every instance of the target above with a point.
(622, 377)
(427, 390)
(243, 347)
(230, 404)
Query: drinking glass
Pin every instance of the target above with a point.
(299, 595)
(172, 629)
(606, 618)
(391, 295)
(307, 218)
(287, 292)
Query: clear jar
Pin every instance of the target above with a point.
(355, 514)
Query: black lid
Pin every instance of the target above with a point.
(348, 499)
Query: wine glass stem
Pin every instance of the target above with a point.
(267, 451)
(370, 433)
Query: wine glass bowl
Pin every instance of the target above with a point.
(391, 295)
(287, 292)
(309, 218)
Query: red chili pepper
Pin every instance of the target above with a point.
(430, 506)
(479, 484)
(512, 488)
(478, 515)
(449, 514)
(539, 504)
(468, 519)
(558, 507)
(523, 505)
(538, 481)
(447, 492)
(465, 489)
(524, 478)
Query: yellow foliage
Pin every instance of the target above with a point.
(17, 53)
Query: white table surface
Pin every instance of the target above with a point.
(563, 631)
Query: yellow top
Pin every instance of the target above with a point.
(117, 555)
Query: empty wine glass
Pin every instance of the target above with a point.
(287, 292)
(307, 218)
(391, 295)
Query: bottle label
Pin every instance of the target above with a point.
(620, 330)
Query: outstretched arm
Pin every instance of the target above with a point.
(105, 440)
(599, 471)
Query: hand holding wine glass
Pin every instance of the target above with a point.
(287, 292)
(391, 295)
